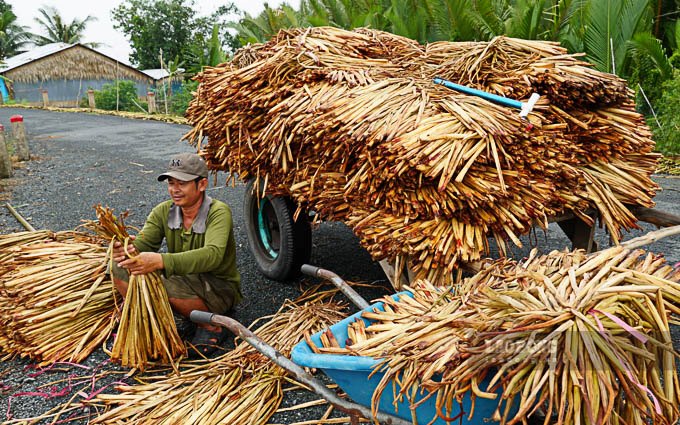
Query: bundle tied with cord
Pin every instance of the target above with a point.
(147, 330)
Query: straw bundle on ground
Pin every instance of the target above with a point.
(586, 338)
(351, 125)
(147, 329)
(56, 303)
(239, 387)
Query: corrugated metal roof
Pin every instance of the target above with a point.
(32, 55)
(156, 74)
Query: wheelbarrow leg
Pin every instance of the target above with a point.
(300, 374)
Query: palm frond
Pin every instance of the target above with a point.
(489, 17)
(603, 33)
(450, 19)
(648, 45)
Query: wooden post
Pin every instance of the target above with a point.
(151, 100)
(5, 162)
(19, 136)
(90, 99)
(46, 98)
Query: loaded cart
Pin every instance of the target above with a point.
(356, 126)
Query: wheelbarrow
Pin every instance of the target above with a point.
(354, 410)
(354, 375)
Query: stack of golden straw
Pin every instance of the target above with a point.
(584, 338)
(240, 387)
(56, 302)
(351, 125)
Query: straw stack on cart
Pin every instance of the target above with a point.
(351, 125)
(585, 338)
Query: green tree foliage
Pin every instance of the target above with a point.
(121, 96)
(667, 136)
(57, 30)
(171, 26)
(152, 26)
(13, 37)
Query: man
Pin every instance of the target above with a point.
(199, 270)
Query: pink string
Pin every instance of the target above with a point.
(637, 334)
(605, 335)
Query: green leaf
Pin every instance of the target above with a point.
(647, 44)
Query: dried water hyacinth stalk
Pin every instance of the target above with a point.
(350, 124)
(584, 337)
(241, 386)
(147, 330)
(56, 301)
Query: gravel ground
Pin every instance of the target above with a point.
(80, 160)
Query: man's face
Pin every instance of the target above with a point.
(186, 194)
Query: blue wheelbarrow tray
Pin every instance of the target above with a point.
(351, 373)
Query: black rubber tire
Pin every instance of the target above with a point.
(279, 244)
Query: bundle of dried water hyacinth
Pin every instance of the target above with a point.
(241, 386)
(147, 330)
(350, 124)
(584, 337)
(56, 302)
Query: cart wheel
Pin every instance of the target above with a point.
(279, 244)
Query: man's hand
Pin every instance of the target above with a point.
(145, 262)
(119, 250)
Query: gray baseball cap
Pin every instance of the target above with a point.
(185, 167)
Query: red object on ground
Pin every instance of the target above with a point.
(16, 118)
(2, 128)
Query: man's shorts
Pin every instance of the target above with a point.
(217, 294)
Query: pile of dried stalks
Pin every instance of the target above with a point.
(56, 303)
(585, 337)
(351, 126)
(242, 386)
(147, 329)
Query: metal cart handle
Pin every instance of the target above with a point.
(336, 280)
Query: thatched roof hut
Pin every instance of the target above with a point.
(66, 71)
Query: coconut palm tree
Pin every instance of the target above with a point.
(13, 37)
(58, 30)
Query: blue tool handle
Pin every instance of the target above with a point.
(484, 95)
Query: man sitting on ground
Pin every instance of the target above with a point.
(199, 270)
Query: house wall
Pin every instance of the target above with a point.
(65, 92)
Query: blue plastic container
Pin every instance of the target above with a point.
(351, 373)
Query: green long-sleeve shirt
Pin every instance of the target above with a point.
(208, 247)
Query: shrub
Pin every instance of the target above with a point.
(126, 94)
(182, 97)
(668, 135)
